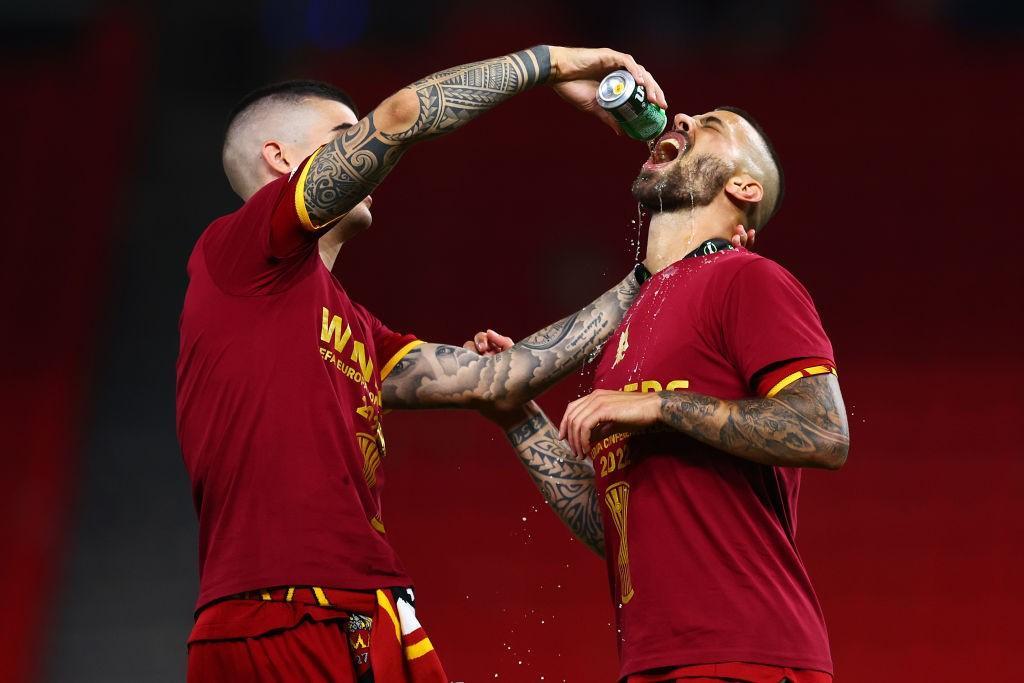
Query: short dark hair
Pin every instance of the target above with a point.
(771, 151)
(294, 91)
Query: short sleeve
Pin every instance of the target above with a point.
(769, 322)
(390, 346)
(259, 248)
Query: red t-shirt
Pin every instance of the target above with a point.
(278, 408)
(707, 570)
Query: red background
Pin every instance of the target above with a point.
(890, 221)
(902, 145)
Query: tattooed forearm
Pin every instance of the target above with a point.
(448, 99)
(803, 426)
(350, 167)
(437, 375)
(566, 483)
(550, 335)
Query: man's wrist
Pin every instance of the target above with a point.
(661, 419)
(511, 419)
(507, 420)
(537, 61)
(523, 423)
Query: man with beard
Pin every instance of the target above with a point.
(282, 378)
(717, 386)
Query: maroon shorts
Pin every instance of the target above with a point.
(735, 672)
(312, 635)
(310, 651)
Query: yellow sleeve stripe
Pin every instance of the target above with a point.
(321, 599)
(291, 594)
(806, 372)
(300, 194)
(383, 601)
(419, 649)
(386, 370)
(265, 595)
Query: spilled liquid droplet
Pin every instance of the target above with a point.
(693, 225)
(639, 226)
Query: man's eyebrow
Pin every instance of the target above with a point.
(341, 126)
(712, 119)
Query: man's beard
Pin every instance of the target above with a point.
(684, 186)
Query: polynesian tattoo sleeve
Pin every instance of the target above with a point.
(348, 169)
(566, 483)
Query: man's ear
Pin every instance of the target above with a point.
(744, 189)
(274, 156)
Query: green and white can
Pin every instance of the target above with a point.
(620, 95)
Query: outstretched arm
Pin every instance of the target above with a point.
(566, 483)
(804, 425)
(443, 376)
(346, 170)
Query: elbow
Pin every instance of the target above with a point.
(833, 457)
(398, 112)
(505, 402)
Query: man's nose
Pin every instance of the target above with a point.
(683, 123)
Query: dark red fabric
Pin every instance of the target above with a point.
(278, 406)
(709, 568)
(765, 313)
(253, 617)
(312, 651)
(287, 634)
(735, 672)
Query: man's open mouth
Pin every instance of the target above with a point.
(667, 149)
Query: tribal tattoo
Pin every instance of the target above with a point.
(349, 168)
(442, 376)
(804, 425)
(566, 483)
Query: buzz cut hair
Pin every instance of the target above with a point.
(771, 152)
(288, 92)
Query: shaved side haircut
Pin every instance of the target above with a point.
(293, 91)
(771, 153)
(262, 114)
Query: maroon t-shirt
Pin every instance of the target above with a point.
(700, 544)
(278, 408)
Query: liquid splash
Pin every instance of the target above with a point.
(693, 225)
(639, 223)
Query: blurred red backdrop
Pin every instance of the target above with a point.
(890, 221)
(72, 127)
(901, 157)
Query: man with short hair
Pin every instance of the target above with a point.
(717, 386)
(281, 377)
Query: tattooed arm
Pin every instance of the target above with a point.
(346, 170)
(443, 376)
(566, 483)
(804, 425)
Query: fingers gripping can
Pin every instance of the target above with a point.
(624, 99)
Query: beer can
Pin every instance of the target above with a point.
(620, 95)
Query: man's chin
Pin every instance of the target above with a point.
(361, 215)
(355, 221)
(645, 189)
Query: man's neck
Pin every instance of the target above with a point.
(673, 235)
(330, 245)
